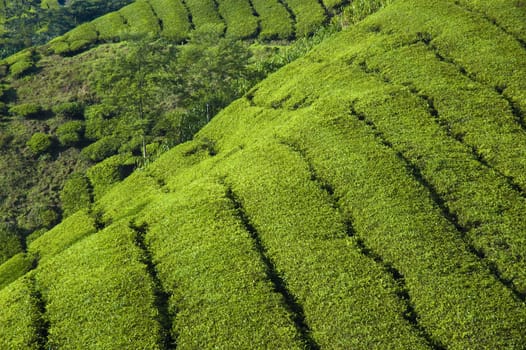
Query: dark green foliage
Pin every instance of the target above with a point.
(76, 194)
(29, 23)
(98, 121)
(108, 172)
(40, 216)
(71, 110)
(9, 242)
(70, 133)
(27, 110)
(40, 143)
(101, 149)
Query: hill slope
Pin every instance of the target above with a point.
(369, 195)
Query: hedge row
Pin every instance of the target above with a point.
(508, 14)
(203, 13)
(500, 60)
(20, 316)
(309, 15)
(484, 202)
(140, 18)
(471, 112)
(111, 26)
(307, 239)
(240, 20)
(71, 230)
(99, 294)
(14, 268)
(174, 18)
(220, 294)
(456, 298)
(275, 20)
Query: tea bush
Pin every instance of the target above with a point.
(40, 143)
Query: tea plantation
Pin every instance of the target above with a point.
(369, 195)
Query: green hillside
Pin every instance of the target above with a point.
(370, 195)
(71, 125)
(25, 23)
(264, 19)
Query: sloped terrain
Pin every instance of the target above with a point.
(25, 23)
(267, 20)
(369, 195)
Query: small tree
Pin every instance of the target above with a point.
(131, 83)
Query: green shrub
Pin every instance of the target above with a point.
(69, 109)
(42, 217)
(60, 46)
(309, 15)
(239, 18)
(110, 26)
(15, 268)
(59, 238)
(9, 242)
(174, 17)
(140, 18)
(40, 143)
(101, 149)
(105, 174)
(21, 67)
(213, 274)
(98, 121)
(85, 32)
(27, 110)
(70, 133)
(76, 194)
(275, 20)
(20, 316)
(204, 13)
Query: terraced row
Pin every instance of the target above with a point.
(267, 20)
(356, 199)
